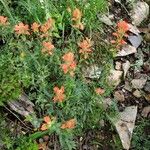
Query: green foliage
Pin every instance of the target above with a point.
(10, 142)
(10, 87)
(25, 143)
(141, 136)
(5, 139)
(24, 67)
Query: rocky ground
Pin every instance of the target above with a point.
(132, 77)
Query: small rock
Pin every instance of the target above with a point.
(139, 13)
(115, 77)
(118, 65)
(46, 138)
(107, 103)
(125, 125)
(41, 140)
(138, 83)
(139, 75)
(146, 66)
(144, 30)
(111, 16)
(133, 29)
(119, 96)
(147, 37)
(127, 86)
(125, 67)
(135, 40)
(147, 97)
(118, 1)
(137, 93)
(146, 111)
(102, 123)
(126, 50)
(147, 87)
(81, 138)
(92, 72)
(130, 1)
(105, 19)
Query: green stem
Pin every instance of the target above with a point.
(41, 133)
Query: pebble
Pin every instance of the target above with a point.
(147, 37)
(138, 83)
(127, 86)
(41, 140)
(102, 123)
(115, 77)
(147, 87)
(92, 72)
(137, 93)
(125, 67)
(139, 13)
(146, 111)
(119, 96)
(107, 103)
(146, 66)
(118, 65)
(147, 97)
(46, 138)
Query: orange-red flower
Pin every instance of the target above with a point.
(3, 20)
(122, 28)
(48, 48)
(76, 15)
(70, 124)
(68, 57)
(123, 25)
(47, 26)
(70, 64)
(35, 27)
(85, 47)
(47, 123)
(59, 94)
(122, 42)
(99, 91)
(22, 28)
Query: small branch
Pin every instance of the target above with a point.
(17, 117)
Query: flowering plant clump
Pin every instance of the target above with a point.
(47, 124)
(69, 65)
(35, 27)
(43, 54)
(85, 47)
(59, 94)
(122, 28)
(3, 20)
(22, 29)
(76, 18)
(48, 48)
(70, 124)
